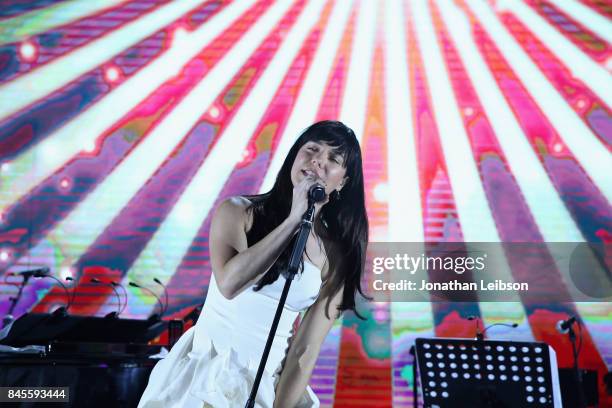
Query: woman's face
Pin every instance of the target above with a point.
(322, 161)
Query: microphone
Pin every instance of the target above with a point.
(563, 326)
(111, 315)
(154, 316)
(37, 272)
(316, 193)
(70, 279)
(165, 295)
(115, 284)
(9, 318)
(60, 311)
(480, 334)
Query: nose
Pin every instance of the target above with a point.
(316, 160)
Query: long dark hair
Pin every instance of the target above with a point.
(342, 222)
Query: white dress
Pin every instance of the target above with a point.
(214, 363)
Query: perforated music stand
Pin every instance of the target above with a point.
(479, 374)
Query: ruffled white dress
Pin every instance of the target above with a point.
(214, 363)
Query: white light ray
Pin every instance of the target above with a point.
(38, 21)
(28, 88)
(355, 99)
(177, 231)
(305, 109)
(588, 17)
(405, 219)
(405, 212)
(581, 66)
(592, 155)
(547, 208)
(551, 215)
(476, 219)
(109, 197)
(472, 205)
(36, 164)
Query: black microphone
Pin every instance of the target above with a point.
(63, 310)
(165, 309)
(70, 279)
(8, 318)
(480, 334)
(154, 316)
(115, 284)
(316, 193)
(37, 272)
(563, 326)
(115, 314)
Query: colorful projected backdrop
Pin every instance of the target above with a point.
(124, 122)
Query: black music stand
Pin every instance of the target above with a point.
(486, 374)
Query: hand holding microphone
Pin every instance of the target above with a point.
(309, 189)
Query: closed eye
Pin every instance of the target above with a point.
(336, 159)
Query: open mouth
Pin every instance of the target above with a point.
(309, 173)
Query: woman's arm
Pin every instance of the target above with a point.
(304, 351)
(237, 266)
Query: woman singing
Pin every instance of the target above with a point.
(214, 363)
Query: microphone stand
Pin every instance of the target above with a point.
(294, 261)
(9, 318)
(115, 314)
(576, 368)
(155, 316)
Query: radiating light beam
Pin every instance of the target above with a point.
(405, 219)
(26, 25)
(596, 77)
(355, 100)
(474, 213)
(206, 185)
(28, 88)
(305, 109)
(472, 206)
(39, 162)
(125, 180)
(592, 155)
(476, 219)
(589, 18)
(551, 216)
(405, 212)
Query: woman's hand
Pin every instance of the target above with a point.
(299, 203)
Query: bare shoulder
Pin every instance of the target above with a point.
(232, 210)
(233, 207)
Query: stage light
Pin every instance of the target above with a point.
(5, 167)
(4, 256)
(64, 183)
(66, 272)
(112, 74)
(28, 51)
(214, 112)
